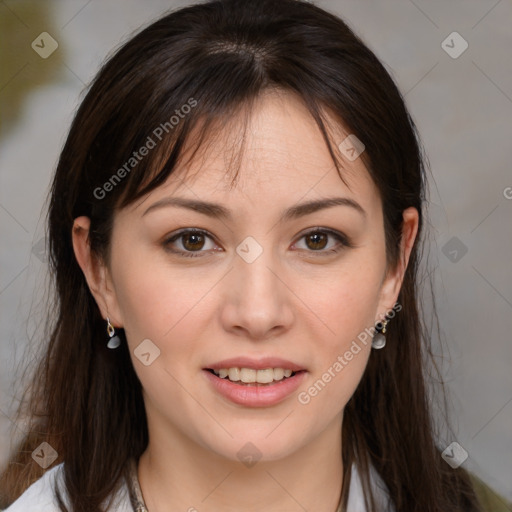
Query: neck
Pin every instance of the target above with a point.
(176, 473)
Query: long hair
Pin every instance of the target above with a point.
(196, 68)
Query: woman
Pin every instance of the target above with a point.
(234, 230)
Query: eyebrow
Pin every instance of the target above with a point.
(218, 211)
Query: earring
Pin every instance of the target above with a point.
(379, 340)
(114, 341)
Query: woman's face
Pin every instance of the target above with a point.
(266, 281)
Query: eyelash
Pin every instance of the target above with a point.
(344, 242)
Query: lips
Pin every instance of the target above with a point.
(255, 394)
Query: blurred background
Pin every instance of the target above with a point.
(451, 61)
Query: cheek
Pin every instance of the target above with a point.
(347, 306)
(347, 309)
(155, 301)
(349, 302)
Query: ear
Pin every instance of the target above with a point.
(96, 272)
(393, 280)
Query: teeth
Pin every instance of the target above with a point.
(234, 374)
(278, 373)
(249, 375)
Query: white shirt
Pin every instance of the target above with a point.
(40, 496)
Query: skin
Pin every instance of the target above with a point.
(293, 301)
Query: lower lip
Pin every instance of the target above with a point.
(254, 395)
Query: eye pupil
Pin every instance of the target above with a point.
(319, 240)
(199, 239)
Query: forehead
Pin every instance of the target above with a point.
(280, 155)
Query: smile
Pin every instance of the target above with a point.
(248, 390)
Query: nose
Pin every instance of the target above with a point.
(258, 300)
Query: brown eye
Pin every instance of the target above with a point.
(189, 242)
(193, 241)
(318, 240)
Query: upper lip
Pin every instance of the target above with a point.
(256, 364)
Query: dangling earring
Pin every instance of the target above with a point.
(379, 340)
(114, 341)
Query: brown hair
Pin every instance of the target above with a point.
(85, 400)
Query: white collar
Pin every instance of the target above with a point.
(40, 496)
(356, 494)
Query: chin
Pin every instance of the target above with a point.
(250, 448)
